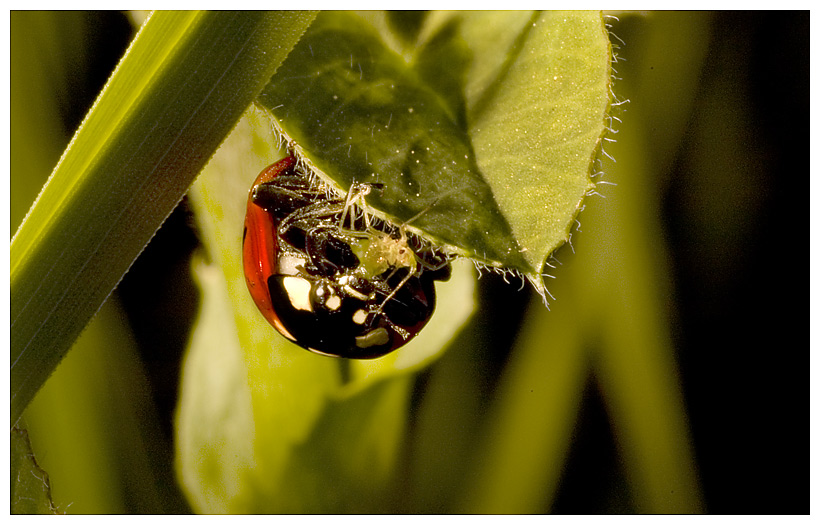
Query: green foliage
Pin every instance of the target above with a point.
(96, 431)
(30, 487)
(486, 148)
(181, 87)
(256, 408)
(513, 106)
(266, 427)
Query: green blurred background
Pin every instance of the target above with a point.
(664, 378)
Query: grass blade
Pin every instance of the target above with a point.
(181, 87)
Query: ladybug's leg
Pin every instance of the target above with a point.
(284, 194)
(309, 213)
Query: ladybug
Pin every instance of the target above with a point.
(328, 275)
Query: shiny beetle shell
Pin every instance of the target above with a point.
(327, 275)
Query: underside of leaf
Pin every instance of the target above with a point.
(485, 148)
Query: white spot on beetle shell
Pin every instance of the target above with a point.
(298, 290)
(359, 316)
(333, 303)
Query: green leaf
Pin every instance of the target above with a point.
(360, 113)
(612, 327)
(263, 425)
(537, 118)
(181, 87)
(30, 488)
(484, 134)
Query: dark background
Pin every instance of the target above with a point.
(731, 240)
